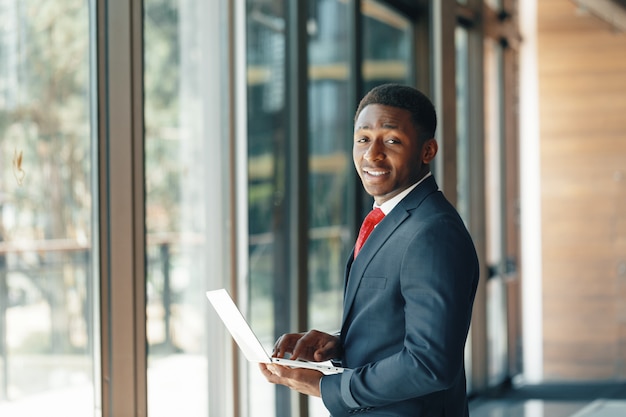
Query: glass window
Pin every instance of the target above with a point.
(49, 350)
(330, 159)
(331, 204)
(383, 25)
(462, 151)
(187, 197)
(268, 202)
(462, 122)
(495, 186)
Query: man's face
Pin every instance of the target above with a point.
(386, 151)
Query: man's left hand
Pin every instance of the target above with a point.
(305, 381)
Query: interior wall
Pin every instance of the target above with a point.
(582, 108)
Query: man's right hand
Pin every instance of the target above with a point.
(313, 346)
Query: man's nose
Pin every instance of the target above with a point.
(375, 151)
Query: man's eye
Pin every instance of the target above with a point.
(392, 140)
(361, 140)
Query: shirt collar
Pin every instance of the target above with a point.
(388, 205)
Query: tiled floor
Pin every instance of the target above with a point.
(554, 400)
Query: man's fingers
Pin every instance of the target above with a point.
(285, 344)
(276, 374)
(270, 373)
(279, 350)
(322, 355)
(297, 350)
(305, 347)
(302, 380)
(282, 346)
(311, 346)
(327, 351)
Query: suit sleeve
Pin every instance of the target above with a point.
(438, 278)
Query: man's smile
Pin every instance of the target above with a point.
(374, 172)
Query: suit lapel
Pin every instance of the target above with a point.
(355, 268)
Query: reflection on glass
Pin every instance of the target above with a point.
(267, 199)
(391, 63)
(330, 163)
(48, 284)
(330, 153)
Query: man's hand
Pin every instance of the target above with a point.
(305, 381)
(312, 346)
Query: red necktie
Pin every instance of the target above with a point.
(372, 219)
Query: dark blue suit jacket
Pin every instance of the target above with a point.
(407, 309)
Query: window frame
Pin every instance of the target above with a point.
(122, 207)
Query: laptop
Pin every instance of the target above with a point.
(248, 342)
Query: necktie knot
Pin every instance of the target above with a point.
(371, 220)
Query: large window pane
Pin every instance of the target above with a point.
(268, 201)
(330, 163)
(331, 204)
(48, 283)
(186, 160)
(383, 25)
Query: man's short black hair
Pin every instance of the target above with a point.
(408, 98)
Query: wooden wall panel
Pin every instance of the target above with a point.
(582, 79)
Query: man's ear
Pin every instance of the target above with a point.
(429, 150)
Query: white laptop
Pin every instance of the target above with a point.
(247, 340)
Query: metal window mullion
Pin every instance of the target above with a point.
(122, 202)
(443, 24)
(355, 90)
(297, 171)
(239, 161)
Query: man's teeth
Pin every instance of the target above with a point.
(376, 173)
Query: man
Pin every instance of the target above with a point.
(409, 290)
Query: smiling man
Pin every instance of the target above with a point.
(410, 285)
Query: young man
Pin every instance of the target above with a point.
(410, 288)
